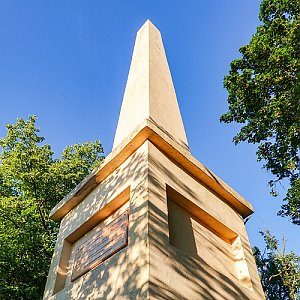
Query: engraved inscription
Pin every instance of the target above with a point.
(101, 245)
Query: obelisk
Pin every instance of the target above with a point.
(152, 222)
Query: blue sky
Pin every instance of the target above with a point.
(67, 62)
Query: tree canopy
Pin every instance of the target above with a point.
(264, 96)
(32, 182)
(279, 271)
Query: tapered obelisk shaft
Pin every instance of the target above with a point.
(149, 92)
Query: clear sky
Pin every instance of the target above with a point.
(67, 62)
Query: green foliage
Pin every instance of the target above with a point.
(264, 96)
(291, 208)
(31, 183)
(279, 272)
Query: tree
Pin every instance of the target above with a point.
(31, 183)
(264, 96)
(279, 272)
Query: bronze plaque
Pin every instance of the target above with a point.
(101, 245)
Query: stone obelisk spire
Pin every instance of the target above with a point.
(152, 222)
(149, 92)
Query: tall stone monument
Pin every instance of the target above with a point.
(152, 222)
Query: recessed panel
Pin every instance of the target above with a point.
(105, 242)
(196, 233)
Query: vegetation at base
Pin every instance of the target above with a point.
(279, 271)
(264, 95)
(32, 182)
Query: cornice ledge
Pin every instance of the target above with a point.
(180, 154)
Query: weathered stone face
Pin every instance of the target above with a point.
(151, 222)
